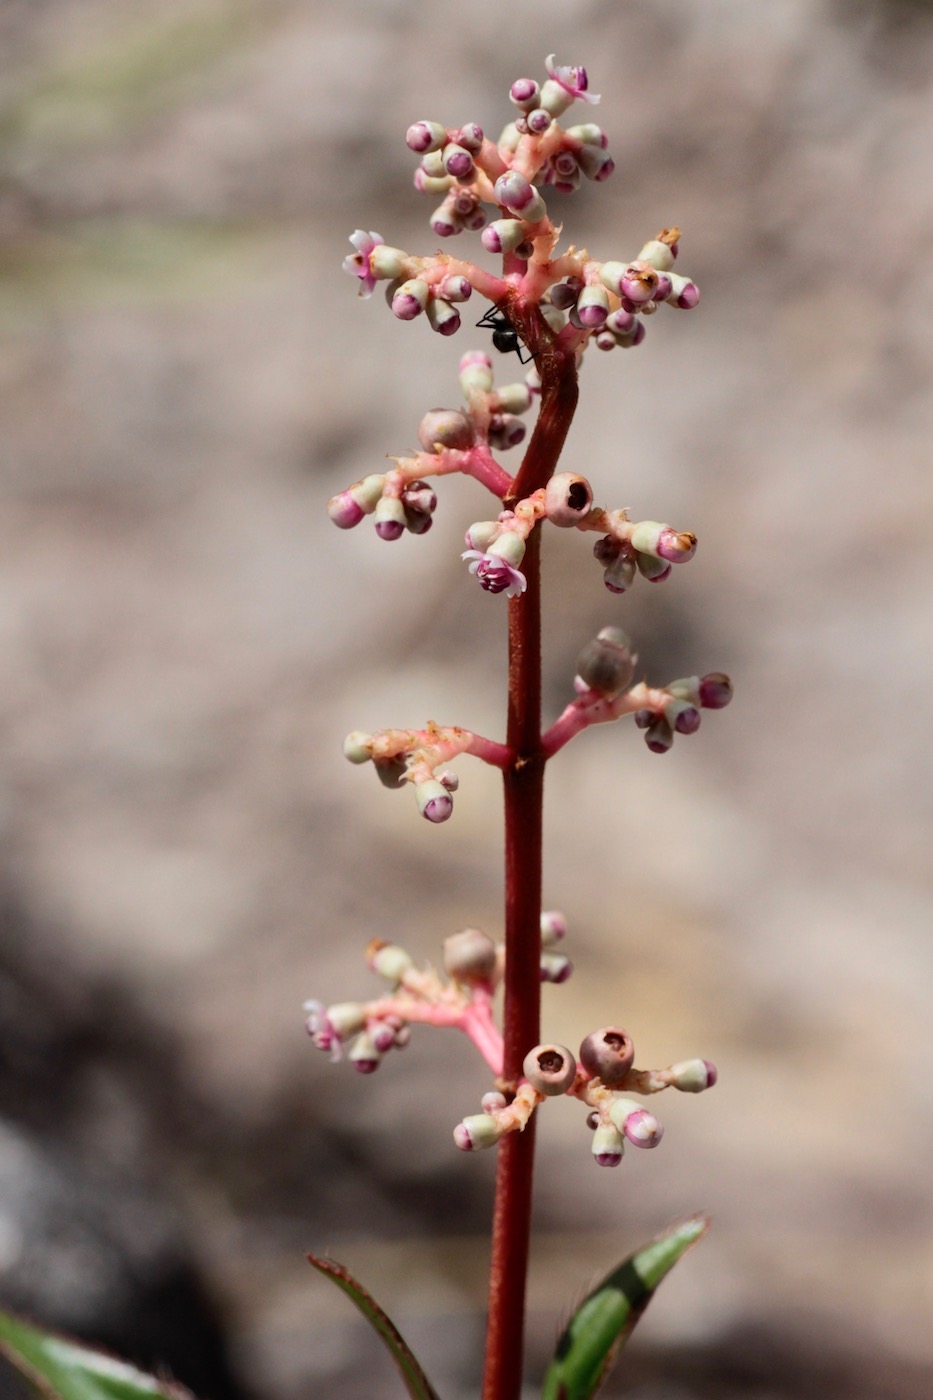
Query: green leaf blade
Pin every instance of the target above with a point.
(61, 1369)
(416, 1382)
(604, 1320)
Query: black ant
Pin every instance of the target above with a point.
(505, 337)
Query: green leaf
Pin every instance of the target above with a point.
(416, 1382)
(602, 1323)
(61, 1369)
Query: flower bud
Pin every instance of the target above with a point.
(595, 163)
(592, 306)
(477, 1131)
(693, 1076)
(524, 93)
(445, 428)
(357, 746)
(682, 716)
(388, 960)
(346, 1018)
(565, 294)
(492, 1101)
(434, 801)
(684, 293)
(538, 120)
(513, 398)
(385, 262)
(639, 1125)
(658, 254)
(481, 534)
(419, 496)
(608, 1055)
(348, 507)
(555, 967)
(389, 518)
(363, 1055)
(650, 567)
(550, 1069)
(606, 664)
(470, 956)
(567, 499)
(608, 1145)
(475, 373)
(410, 299)
(442, 316)
(425, 136)
(553, 927)
(620, 571)
(520, 197)
(383, 1036)
(458, 161)
(651, 537)
(503, 235)
(659, 736)
(715, 690)
(505, 431)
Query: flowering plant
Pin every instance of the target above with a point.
(547, 306)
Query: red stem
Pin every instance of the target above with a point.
(523, 782)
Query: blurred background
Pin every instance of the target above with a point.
(185, 378)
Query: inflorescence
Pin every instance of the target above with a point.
(603, 1076)
(544, 301)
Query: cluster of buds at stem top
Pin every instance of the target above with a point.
(474, 968)
(603, 1077)
(604, 692)
(452, 440)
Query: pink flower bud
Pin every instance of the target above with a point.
(640, 1127)
(502, 235)
(524, 93)
(389, 518)
(493, 1101)
(425, 136)
(410, 299)
(363, 1055)
(608, 1145)
(477, 1131)
(555, 967)
(442, 316)
(458, 161)
(520, 197)
(693, 1076)
(434, 801)
(593, 306)
(553, 927)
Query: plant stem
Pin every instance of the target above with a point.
(523, 783)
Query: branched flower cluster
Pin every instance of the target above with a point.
(603, 1078)
(551, 305)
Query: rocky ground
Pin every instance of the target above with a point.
(185, 378)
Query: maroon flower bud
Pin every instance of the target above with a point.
(608, 1054)
(659, 736)
(715, 691)
(606, 664)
